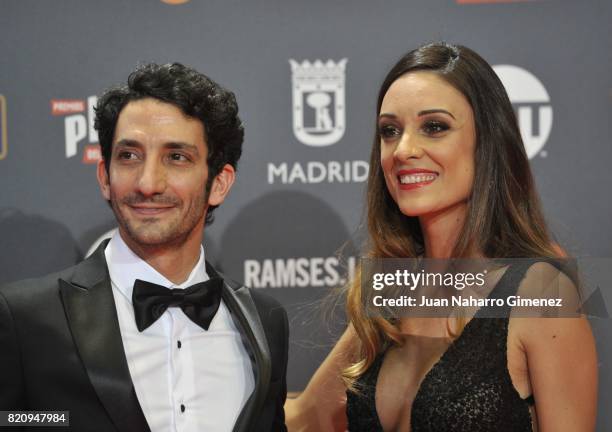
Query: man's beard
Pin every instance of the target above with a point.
(165, 231)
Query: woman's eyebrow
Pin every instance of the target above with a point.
(387, 115)
(435, 110)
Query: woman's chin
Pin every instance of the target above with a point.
(414, 212)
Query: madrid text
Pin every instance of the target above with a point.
(318, 172)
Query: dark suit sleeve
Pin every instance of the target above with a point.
(279, 420)
(11, 376)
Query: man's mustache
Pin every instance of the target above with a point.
(134, 199)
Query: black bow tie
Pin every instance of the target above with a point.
(199, 302)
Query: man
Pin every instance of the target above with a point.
(144, 334)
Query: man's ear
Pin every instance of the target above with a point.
(221, 185)
(103, 180)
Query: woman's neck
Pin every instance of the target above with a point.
(441, 230)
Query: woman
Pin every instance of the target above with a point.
(449, 177)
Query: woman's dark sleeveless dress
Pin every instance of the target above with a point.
(468, 389)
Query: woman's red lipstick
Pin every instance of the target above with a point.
(415, 178)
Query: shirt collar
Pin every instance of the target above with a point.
(124, 267)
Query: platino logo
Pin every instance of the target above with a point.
(317, 88)
(3, 134)
(78, 126)
(532, 104)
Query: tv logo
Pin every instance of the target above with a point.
(532, 104)
(318, 101)
(3, 133)
(78, 125)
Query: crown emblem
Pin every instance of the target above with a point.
(318, 69)
(318, 101)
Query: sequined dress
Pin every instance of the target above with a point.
(468, 389)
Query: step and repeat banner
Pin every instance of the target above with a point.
(306, 76)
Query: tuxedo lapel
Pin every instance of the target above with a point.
(92, 317)
(245, 316)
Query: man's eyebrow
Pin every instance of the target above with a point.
(172, 145)
(126, 142)
(178, 145)
(434, 111)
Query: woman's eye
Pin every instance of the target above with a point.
(388, 131)
(433, 127)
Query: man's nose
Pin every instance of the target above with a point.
(152, 180)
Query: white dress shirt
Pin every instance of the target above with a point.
(186, 379)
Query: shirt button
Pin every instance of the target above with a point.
(182, 408)
(179, 344)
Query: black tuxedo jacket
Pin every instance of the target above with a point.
(61, 349)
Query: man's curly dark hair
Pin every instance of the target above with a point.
(195, 95)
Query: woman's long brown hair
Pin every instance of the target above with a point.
(504, 217)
